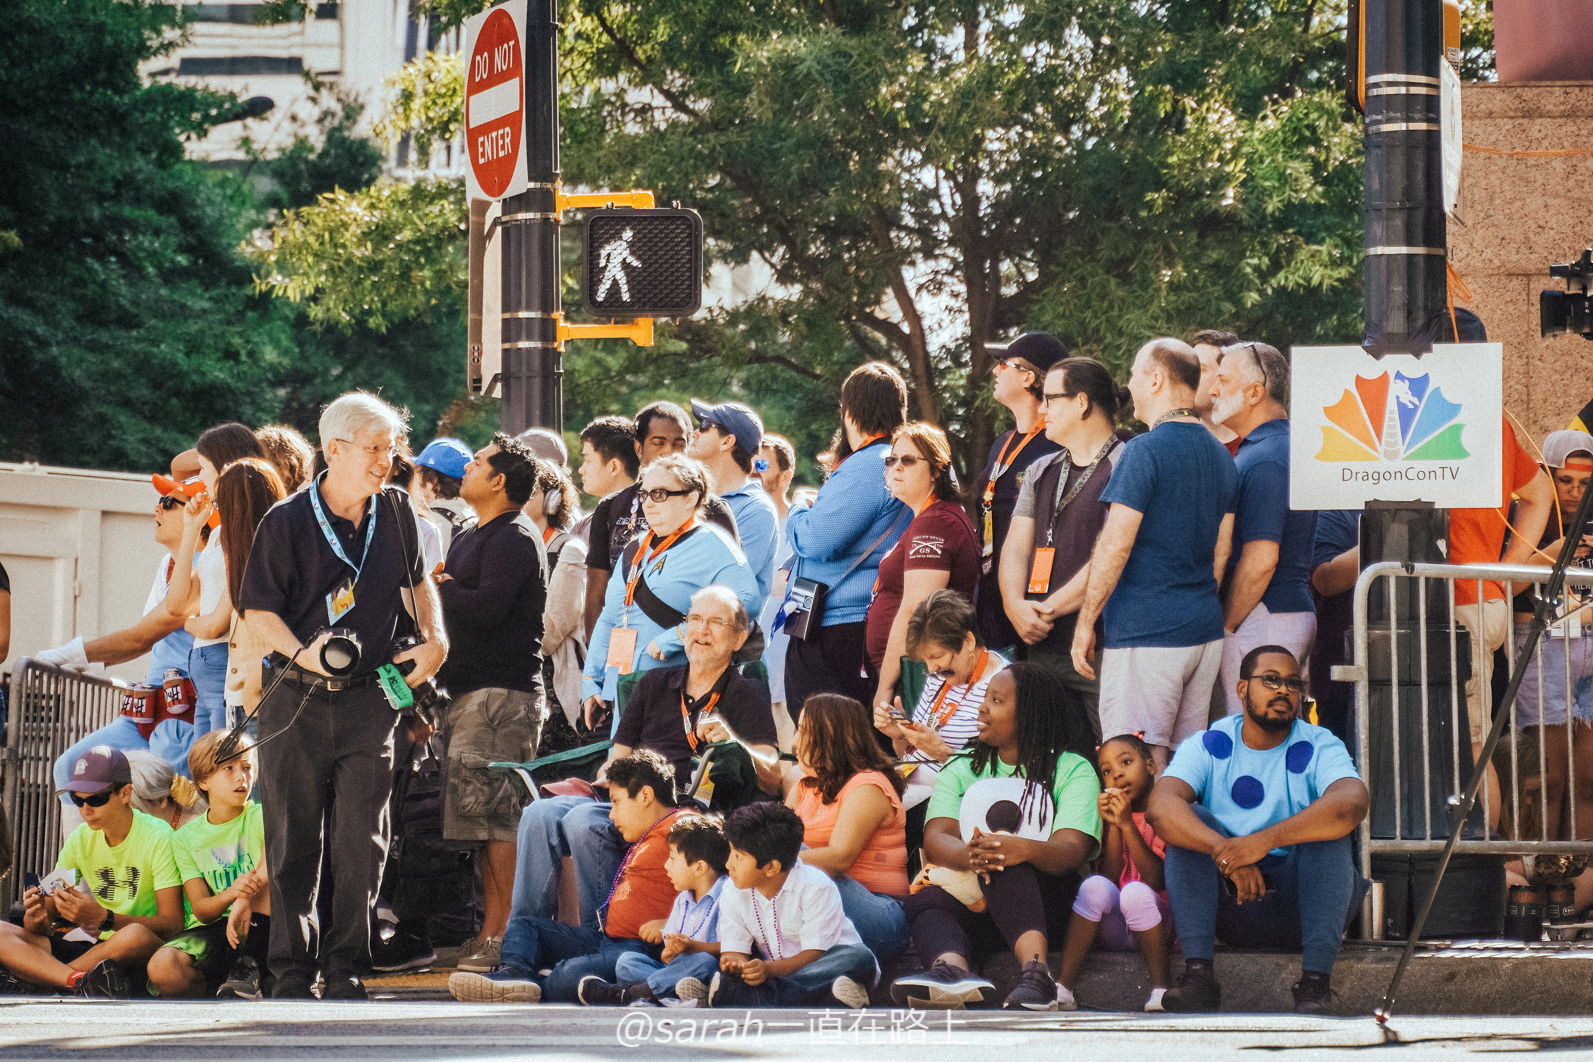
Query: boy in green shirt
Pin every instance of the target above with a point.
(221, 860)
(128, 900)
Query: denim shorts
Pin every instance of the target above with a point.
(1551, 684)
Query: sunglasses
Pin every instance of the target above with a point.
(98, 800)
(170, 503)
(906, 462)
(660, 495)
(1273, 681)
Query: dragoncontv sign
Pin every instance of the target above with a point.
(1399, 428)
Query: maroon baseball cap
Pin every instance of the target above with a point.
(101, 767)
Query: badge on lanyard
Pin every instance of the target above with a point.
(340, 601)
(621, 649)
(1040, 574)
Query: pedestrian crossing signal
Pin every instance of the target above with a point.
(642, 263)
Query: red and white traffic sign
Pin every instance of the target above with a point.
(495, 101)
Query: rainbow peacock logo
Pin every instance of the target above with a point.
(1406, 420)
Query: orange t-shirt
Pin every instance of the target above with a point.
(1477, 536)
(882, 864)
(642, 891)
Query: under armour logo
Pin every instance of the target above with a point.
(109, 884)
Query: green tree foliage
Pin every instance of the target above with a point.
(329, 155)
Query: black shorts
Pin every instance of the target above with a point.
(66, 951)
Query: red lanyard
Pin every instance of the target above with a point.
(643, 559)
(1002, 464)
(685, 716)
(979, 669)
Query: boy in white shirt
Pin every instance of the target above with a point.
(784, 940)
(690, 935)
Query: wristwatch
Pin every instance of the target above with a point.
(109, 923)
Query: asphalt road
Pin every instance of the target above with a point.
(344, 1032)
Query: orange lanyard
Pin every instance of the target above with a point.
(1002, 464)
(979, 669)
(870, 441)
(547, 535)
(643, 559)
(685, 716)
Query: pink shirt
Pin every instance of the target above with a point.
(1157, 845)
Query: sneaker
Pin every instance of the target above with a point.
(448, 958)
(691, 988)
(402, 951)
(485, 958)
(671, 1001)
(1313, 994)
(849, 993)
(106, 981)
(243, 981)
(1035, 990)
(295, 984)
(593, 991)
(1197, 990)
(1153, 1005)
(501, 986)
(1065, 999)
(344, 988)
(942, 987)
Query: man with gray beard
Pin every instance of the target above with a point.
(1266, 597)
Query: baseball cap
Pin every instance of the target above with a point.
(445, 455)
(546, 445)
(184, 478)
(99, 768)
(1040, 349)
(1560, 445)
(735, 418)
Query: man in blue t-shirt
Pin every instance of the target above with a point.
(1267, 588)
(1153, 573)
(1257, 814)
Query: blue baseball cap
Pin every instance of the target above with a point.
(741, 421)
(447, 456)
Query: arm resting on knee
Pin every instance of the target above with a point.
(1173, 817)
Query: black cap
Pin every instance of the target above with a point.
(1040, 349)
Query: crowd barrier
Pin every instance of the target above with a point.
(52, 708)
(1410, 658)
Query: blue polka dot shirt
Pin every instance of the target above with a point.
(1248, 790)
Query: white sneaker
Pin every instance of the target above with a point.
(691, 988)
(849, 993)
(1153, 1005)
(485, 959)
(499, 988)
(1065, 999)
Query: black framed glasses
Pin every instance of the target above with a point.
(97, 800)
(906, 461)
(660, 495)
(1274, 681)
(1047, 397)
(169, 503)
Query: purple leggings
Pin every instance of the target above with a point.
(1017, 901)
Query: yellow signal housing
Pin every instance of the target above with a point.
(1452, 32)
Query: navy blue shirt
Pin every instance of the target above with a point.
(1182, 482)
(493, 606)
(1263, 515)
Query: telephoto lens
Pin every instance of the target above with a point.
(340, 653)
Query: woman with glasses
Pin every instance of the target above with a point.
(939, 549)
(646, 602)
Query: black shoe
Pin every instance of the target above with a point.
(1313, 994)
(1197, 990)
(243, 981)
(106, 981)
(295, 984)
(11, 985)
(1035, 990)
(593, 991)
(401, 951)
(942, 987)
(345, 987)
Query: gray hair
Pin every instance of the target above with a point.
(153, 779)
(357, 411)
(1264, 366)
(726, 596)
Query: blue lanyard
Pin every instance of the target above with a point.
(331, 536)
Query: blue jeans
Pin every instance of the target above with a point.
(207, 667)
(554, 827)
(879, 919)
(533, 944)
(812, 982)
(1314, 889)
(662, 977)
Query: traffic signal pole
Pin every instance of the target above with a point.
(533, 366)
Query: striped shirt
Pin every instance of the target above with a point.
(962, 725)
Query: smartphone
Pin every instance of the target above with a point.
(30, 881)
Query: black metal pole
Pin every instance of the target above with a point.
(533, 368)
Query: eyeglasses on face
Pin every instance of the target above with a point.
(1274, 681)
(906, 461)
(716, 623)
(97, 800)
(1047, 397)
(660, 495)
(169, 503)
(373, 452)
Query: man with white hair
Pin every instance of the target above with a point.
(340, 554)
(1267, 587)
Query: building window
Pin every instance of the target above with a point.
(241, 14)
(237, 65)
(326, 11)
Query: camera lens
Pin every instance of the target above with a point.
(340, 655)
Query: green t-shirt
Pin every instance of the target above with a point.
(220, 854)
(998, 801)
(124, 879)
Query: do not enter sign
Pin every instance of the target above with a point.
(495, 101)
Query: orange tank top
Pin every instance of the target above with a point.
(882, 864)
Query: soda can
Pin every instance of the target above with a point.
(139, 703)
(178, 693)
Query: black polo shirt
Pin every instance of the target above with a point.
(292, 569)
(652, 718)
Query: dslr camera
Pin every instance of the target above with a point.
(1568, 312)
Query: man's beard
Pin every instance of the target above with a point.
(1268, 723)
(1225, 406)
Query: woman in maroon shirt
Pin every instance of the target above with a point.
(939, 548)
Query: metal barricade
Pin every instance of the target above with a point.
(52, 709)
(1394, 650)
